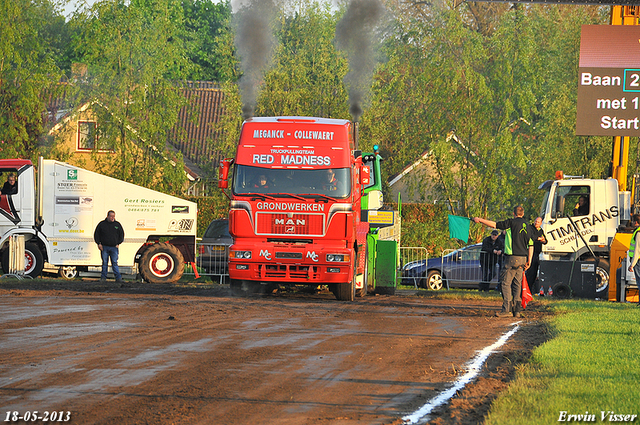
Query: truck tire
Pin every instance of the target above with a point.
(33, 260)
(602, 279)
(161, 263)
(346, 291)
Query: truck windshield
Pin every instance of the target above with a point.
(570, 201)
(332, 182)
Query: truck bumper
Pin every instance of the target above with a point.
(268, 265)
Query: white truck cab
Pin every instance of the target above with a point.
(580, 218)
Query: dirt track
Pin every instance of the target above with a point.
(137, 354)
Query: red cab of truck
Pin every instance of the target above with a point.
(295, 205)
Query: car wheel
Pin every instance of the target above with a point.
(434, 280)
(68, 272)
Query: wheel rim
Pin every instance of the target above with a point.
(29, 262)
(603, 282)
(161, 265)
(435, 282)
(69, 272)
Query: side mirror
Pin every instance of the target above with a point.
(223, 173)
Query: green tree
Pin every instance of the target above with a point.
(28, 73)
(489, 93)
(209, 37)
(135, 56)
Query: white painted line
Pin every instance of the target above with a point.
(472, 371)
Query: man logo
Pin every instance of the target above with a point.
(289, 229)
(313, 256)
(290, 222)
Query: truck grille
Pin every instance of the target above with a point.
(289, 224)
(290, 272)
(294, 255)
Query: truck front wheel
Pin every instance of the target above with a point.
(345, 291)
(161, 263)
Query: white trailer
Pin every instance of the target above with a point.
(59, 216)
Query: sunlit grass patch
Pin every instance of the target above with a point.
(590, 366)
(455, 294)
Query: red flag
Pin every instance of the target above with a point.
(526, 293)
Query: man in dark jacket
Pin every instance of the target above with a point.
(518, 251)
(10, 186)
(109, 235)
(491, 249)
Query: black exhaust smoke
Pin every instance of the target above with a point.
(355, 35)
(255, 42)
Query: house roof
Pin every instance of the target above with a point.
(193, 135)
(406, 170)
(197, 126)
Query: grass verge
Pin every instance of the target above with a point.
(590, 367)
(454, 294)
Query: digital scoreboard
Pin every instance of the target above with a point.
(609, 81)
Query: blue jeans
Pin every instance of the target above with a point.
(110, 252)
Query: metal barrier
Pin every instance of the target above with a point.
(16, 257)
(412, 255)
(458, 268)
(461, 268)
(211, 260)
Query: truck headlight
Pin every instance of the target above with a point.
(240, 254)
(338, 258)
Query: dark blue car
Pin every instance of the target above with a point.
(458, 269)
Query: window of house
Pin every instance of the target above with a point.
(87, 135)
(88, 138)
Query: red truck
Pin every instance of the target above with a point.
(295, 211)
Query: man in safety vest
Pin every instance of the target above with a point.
(518, 250)
(634, 249)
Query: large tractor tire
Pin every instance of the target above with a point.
(161, 263)
(33, 260)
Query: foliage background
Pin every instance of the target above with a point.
(500, 78)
